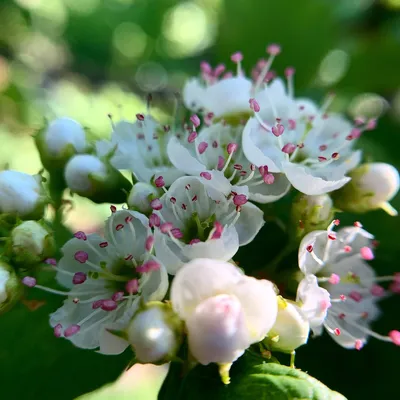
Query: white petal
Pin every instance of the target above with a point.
(223, 248)
(193, 94)
(249, 223)
(258, 300)
(200, 279)
(315, 301)
(307, 263)
(168, 252)
(181, 158)
(269, 193)
(155, 284)
(228, 96)
(217, 330)
(68, 263)
(306, 183)
(218, 187)
(251, 150)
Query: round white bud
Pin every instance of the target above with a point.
(79, 170)
(63, 132)
(290, 330)
(31, 242)
(20, 193)
(10, 287)
(372, 186)
(140, 196)
(310, 213)
(155, 333)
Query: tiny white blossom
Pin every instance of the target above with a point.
(294, 137)
(337, 261)
(217, 152)
(106, 278)
(224, 310)
(20, 193)
(141, 148)
(191, 224)
(372, 186)
(64, 132)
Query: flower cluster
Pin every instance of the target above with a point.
(165, 268)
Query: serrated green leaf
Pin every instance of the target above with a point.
(251, 378)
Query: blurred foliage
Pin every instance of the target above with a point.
(88, 58)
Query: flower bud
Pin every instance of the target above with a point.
(372, 186)
(291, 329)
(140, 197)
(21, 195)
(155, 333)
(310, 213)
(98, 180)
(31, 243)
(63, 138)
(10, 287)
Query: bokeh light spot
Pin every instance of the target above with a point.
(130, 40)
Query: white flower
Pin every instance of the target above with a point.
(21, 194)
(339, 262)
(141, 148)
(216, 152)
(224, 310)
(64, 132)
(106, 278)
(296, 138)
(291, 328)
(140, 196)
(372, 186)
(287, 135)
(155, 333)
(190, 224)
(79, 170)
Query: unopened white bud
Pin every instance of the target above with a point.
(91, 177)
(290, 330)
(64, 132)
(155, 333)
(10, 287)
(141, 195)
(310, 213)
(372, 186)
(31, 243)
(80, 169)
(21, 194)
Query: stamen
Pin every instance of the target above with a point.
(195, 120)
(366, 253)
(149, 243)
(29, 281)
(79, 278)
(254, 105)
(80, 235)
(154, 220)
(72, 330)
(108, 305)
(239, 199)
(159, 182)
(207, 175)
(132, 286)
(288, 148)
(148, 266)
(58, 330)
(156, 204)
(202, 147)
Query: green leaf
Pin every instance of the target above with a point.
(251, 378)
